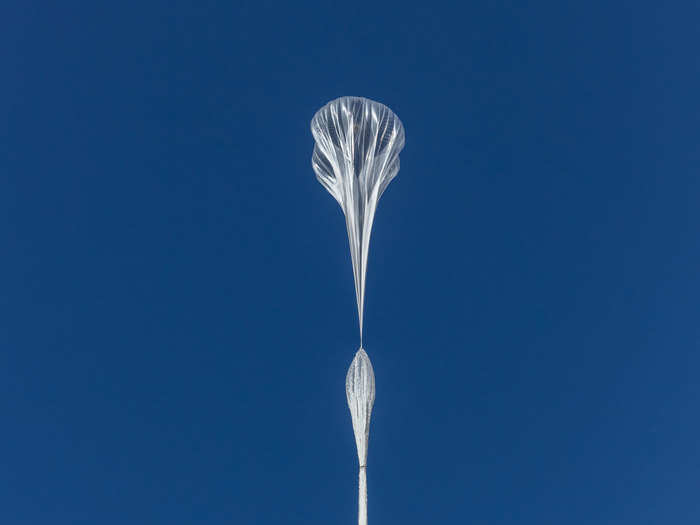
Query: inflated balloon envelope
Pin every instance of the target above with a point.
(356, 156)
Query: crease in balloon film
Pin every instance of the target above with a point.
(355, 157)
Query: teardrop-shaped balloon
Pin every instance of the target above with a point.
(356, 156)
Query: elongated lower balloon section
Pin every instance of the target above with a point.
(359, 389)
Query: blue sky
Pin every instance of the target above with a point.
(177, 310)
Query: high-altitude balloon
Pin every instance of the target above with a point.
(356, 156)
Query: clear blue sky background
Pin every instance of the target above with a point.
(176, 301)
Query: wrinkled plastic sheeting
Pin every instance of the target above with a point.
(356, 156)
